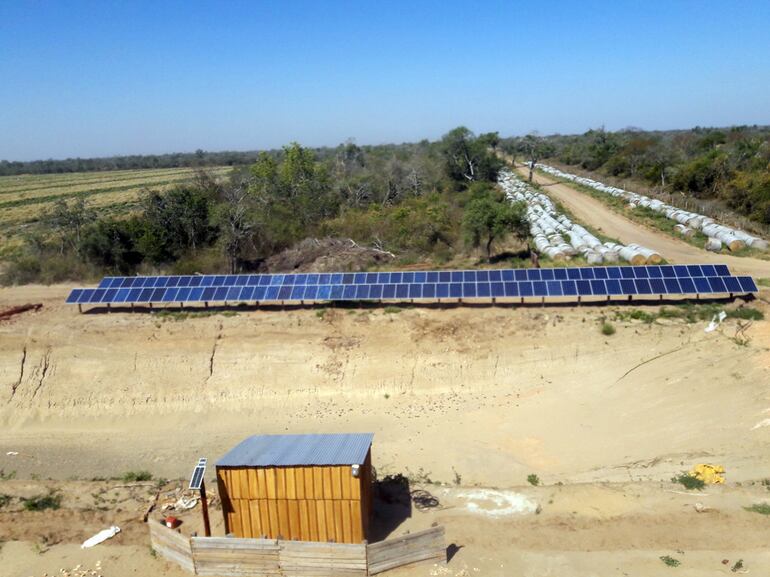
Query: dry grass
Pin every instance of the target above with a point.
(25, 198)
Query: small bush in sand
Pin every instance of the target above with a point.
(391, 310)
(689, 482)
(670, 561)
(761, 508)
(42, 502)
(533, 479)
(4, 500)
(136, 476)
(608, 329)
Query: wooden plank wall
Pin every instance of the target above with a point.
(229, 557)
(293, 503)
(225, 556)
(303, 559)
(171, 545)
(428, 545)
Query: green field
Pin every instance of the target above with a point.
(25, 199)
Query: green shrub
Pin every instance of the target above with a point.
(689, 482)
(746, 313)
(135, 476)
(4, 500)
(391, 310)
(42, 502)
(670, 561)
(533, 479)
(608, 329)
(761, 508)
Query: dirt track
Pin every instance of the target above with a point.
(598, 215)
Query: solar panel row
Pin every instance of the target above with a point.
(550, 288)
(585, 273)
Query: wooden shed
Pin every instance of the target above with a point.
(298, 487)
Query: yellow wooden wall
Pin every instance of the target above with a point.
(296, 503)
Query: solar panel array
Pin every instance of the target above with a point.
(611, 281)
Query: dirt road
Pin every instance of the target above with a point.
(597, 214)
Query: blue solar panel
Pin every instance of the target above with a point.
(614, 281)
(74, 296)
(747, 283)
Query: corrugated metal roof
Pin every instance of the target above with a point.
(291, 450)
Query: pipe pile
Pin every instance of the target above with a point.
(558, 238)
(732, 238)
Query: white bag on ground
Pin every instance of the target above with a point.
(100, 537)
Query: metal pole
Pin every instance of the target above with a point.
(205, 510)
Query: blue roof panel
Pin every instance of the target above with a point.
(299, 450)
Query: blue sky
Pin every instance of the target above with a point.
(104, 78)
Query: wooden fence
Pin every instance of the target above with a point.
(428, 545)
(225, 556)
(172, 545)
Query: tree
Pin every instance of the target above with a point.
(235, 219)
(487, 218)
(490, 139)
(112, 244)
(174, 222)
(68, 220)
(535, 148)
(467, 157)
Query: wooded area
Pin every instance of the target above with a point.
(405, 199)
(731, 165)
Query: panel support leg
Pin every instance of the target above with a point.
(205, 510)
(80, 308)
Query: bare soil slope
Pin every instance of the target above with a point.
(481, 396)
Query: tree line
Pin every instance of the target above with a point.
(197, 159)
(731, 165)
(425, 200)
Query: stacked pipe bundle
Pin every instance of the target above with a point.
(558, 238)
(688, 222)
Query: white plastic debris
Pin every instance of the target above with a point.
(12, 453)
(715, 322)
(184, 504)
(498, 503)
(100, 537)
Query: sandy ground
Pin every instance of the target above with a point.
(597, 214)
(482, 396)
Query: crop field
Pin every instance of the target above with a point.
(25, 199)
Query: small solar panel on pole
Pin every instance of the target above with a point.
(197, 483)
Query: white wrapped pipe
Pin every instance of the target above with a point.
(734, 239)
(713, 244)
(651, 256)
(632, 255)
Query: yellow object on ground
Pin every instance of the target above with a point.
(709, 474)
